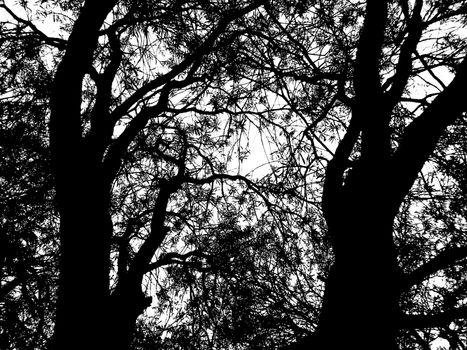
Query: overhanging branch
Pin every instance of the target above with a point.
(56, 42)
(433, 320)
(422, 135)
(443, 260)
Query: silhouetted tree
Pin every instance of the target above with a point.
(122, 65)
(355, 230)
(376, 119)
(375, 91)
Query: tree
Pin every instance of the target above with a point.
(99, 83)
(384, 81)
(361, 107)
(374, 93)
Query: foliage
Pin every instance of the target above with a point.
(28, 219)
(216, 127)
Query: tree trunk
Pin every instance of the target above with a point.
(360, 305)
(88, 316)
(360, 302)
(127, 303)
(81, 194)
(85, 229)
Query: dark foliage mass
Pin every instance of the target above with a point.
(268, 174)
(28, 242)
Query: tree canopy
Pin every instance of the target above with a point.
(233, 174)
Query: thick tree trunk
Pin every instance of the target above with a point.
(360, 303)
(88, 317)
(85, 229)
(82, 196)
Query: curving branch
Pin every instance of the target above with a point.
(101, 125)
(442, 261)
(421, 136)
(433, 320)
(118, 148)
(333, 182)
(177, 258)
(404, 66)
(192, 59)
(59, 43)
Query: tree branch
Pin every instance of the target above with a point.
(123, 247)
(370, 107)
(118, 148)
(56, 42)
(177, 258)
(367, 79)
(7, 287)
(433, 320)
(443, 260)
(196, 55)
(101, 124)
(336, 167)
(421, 136)
(404, 65)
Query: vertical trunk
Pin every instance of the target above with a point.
(82, 198)
(360, 305)
(360, 302)
(127, 303)
(85, 230)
